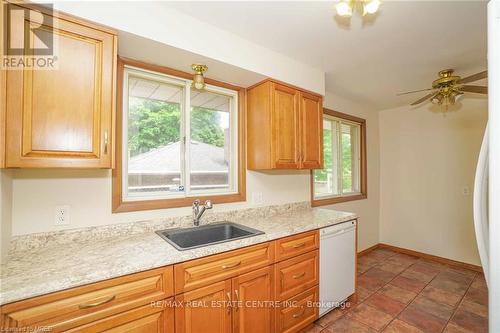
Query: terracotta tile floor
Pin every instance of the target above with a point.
(398, 293)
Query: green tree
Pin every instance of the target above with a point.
(329, 155)
(321, 175)
(346, 162)
(153, 124)
(205, 126)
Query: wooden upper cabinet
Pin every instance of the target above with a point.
(285, 120)
(311, 125)
(284, 128)
(63, 117)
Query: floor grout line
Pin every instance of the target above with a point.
(460, 302)
(411, 301)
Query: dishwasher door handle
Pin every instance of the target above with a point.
(335, 233)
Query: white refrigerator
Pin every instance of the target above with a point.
(487, 181)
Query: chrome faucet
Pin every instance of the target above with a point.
(198, 211)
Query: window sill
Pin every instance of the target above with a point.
(336, 200)
(132, 206)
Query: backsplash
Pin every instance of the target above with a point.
(38, 240)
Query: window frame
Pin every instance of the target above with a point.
(120, 205)
(362, 194)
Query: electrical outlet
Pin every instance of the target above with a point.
(465, 190)
(62, 215)
(257, 198)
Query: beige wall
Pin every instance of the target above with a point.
(88, 193)
(5, 212)
(426, 160)
(367, 209)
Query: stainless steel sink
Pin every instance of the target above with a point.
(185, 239)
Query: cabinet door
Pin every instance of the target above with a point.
(311, 130)
(63, 117)
(285, 127)
(251, 313)
(205, 309)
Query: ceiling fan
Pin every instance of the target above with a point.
(448, 87)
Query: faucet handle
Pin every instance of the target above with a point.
(196, 203)
(208, 204)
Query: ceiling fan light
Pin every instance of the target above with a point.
(438, 99)
(371, 7)
(344, 9)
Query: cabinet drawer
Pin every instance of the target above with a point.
(79, 306)
(204, 271)
(150, 319)
(297, 274)
(297, 312)
(292, 246)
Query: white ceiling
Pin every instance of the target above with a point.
(400, 49)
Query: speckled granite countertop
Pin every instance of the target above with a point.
(56, 267)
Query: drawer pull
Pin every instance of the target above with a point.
(297, 315)
(296, 246)
(92, 305)
(298, 276)
(236, 264)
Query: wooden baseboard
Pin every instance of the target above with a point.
(423, 255)
(368, 250)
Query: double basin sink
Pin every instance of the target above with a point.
(190, 238)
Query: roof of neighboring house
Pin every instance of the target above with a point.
(204, 157)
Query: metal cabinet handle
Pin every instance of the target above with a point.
(91, 305)
(229, 305)
(296, 246)
(105, 142)
(298, 276)
(297, 315)
(231, 265)
(237, 299)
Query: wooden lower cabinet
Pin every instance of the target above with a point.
(206, 309)
(91, 304)
(248, 290)
(297, 274)
(253, 311)
(297, 312)
(241, 304)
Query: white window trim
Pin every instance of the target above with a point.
(185, 84)
(356, 166)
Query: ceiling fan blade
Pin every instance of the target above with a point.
(411, 92)
(474, 77)
(423, 99)
(475, 89)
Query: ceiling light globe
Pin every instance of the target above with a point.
(198, 82)
(371, 7)
(343, 9)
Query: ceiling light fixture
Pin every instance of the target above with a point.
(345, 8)
(198, 79)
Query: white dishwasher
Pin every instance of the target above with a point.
(337, 271)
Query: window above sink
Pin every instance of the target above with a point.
(176, 142)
